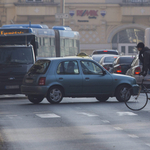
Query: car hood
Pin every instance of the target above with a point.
(123, 77)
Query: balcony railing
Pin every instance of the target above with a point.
(36, 1)
(135, 2)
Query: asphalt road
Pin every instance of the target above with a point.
(74, 124)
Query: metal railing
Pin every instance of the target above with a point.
(136, 1)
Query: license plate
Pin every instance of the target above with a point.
(29, 81)
(12, 87)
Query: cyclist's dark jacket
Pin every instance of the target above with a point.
(144, 57)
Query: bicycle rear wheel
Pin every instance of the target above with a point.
(136, 101)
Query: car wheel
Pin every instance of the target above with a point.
(102, 98)
(55, 95)
(121, 93)
(35, 99)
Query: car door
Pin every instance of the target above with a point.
(69, 77)
(94, 79)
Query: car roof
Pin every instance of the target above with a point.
(127, 56)
(65, 58)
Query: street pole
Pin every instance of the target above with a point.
(62, 10)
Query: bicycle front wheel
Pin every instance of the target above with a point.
(136, 101)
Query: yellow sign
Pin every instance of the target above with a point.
(10, 32)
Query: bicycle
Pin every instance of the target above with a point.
(137, 100)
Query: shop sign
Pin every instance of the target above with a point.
(92, 13)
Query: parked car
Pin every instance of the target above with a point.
(123, 63)
(55, 78)
(105, 51)
(97, 58)
(136, 68)
(107, 61)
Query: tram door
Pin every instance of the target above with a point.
(127, 48)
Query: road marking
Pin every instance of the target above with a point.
(133, 136)
(48, 116)
(126, 114)
(118, 128)
(88, 114)
(105, 121)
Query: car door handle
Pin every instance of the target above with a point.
(87, 79)
(61, 79)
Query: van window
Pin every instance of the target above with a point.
(114, 52)
(40, 67)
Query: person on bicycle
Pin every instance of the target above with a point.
(144, 57)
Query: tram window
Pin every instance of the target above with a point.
(43, 41)
(62, 42)
(75, 43)
(70, 43)
(39, 41)
(46, 41)
(66, 42)
(52, 41)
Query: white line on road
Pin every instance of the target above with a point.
(105, 121)
(48, 116)
(118, 128)
(126, 114)
(133, 136)
(88, 114)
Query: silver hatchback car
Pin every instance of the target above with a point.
(55, 78)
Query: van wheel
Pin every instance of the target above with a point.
(102, 98)
(55, 95)
(35, 99)
(121, 93)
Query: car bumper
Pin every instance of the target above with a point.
(34, 90)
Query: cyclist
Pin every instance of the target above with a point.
(144, 57)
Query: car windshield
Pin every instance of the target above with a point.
(109, 59)
(40, 67)
(16, 55)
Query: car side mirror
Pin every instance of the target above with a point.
(104, 72)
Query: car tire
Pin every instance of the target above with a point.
(35, 99)
(55, 95)
(120, 93)
(102, 98)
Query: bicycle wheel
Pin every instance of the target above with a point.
(136, 101)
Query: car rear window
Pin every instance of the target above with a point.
(125, 60)
(109, 59)
(40, 67)
(105, 52)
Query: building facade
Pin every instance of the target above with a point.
(102, 24)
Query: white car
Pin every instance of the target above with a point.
(134, 71)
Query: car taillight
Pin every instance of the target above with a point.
(42, 81)
(137, 70)
(118, 69)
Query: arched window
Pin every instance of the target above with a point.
(130, 35)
